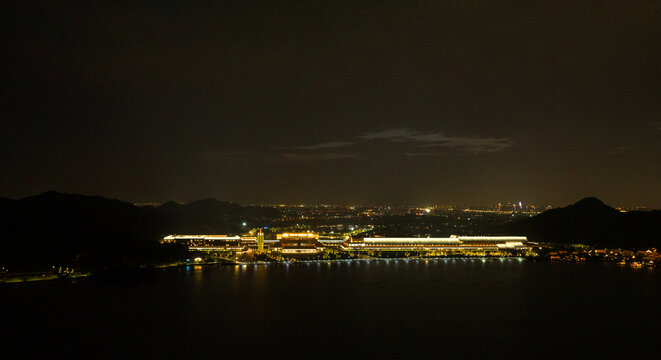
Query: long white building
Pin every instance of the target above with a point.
(453, 242)
(307, 242)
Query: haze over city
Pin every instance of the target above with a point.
(335, 102)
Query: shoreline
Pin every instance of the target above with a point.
(72, 277)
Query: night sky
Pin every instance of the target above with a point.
(403, 102)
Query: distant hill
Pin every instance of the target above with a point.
(89, 231)
(590, 221)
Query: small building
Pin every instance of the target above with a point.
(298, 243)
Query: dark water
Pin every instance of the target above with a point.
(439, 308)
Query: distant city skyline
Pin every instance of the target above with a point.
(503, 204)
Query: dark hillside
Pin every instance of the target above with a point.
(76, 230)
(592, 222)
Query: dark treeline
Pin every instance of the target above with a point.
(91, 232)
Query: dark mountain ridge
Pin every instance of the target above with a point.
(592, 222)
(70, 229)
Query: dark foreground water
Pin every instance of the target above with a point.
(397, 309)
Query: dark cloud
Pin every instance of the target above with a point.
(326, 145)
(458, 144)
(444, 144)
(318, 157)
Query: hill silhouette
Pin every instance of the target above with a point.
(592, 222)
(91, 231)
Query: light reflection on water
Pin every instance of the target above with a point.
(388, 307)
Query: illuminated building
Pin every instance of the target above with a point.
(260, 241)
(309, 243)
(333, 240)
(249, 241)
(298, 243)
(453, 242)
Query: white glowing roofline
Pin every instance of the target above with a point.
(411, 240)
(299, 251)
(436, 248)
(215, 247)
(448, 240)
(285, 235)
(510, 245)
(201, 237)
(494, 238)
(462, 245)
